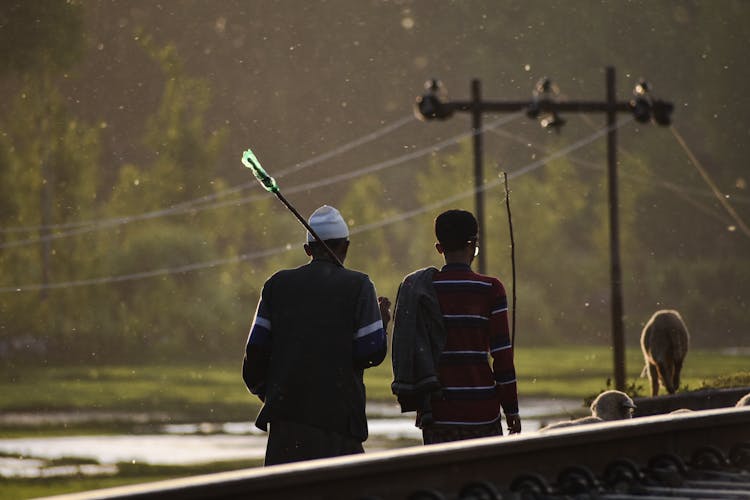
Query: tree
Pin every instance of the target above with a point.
(176, 311)
(40, 37)
(379, 251)
(47, 162)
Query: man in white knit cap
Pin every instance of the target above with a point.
(316, 329)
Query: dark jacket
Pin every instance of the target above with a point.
(311, 378)
(418, 340)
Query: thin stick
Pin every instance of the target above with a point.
(269, 184)
(512, 258)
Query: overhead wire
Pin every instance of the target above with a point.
(357, 230)
(711, 184)
(677, 189)
(187, 205)
(241, 201)
(680, 190)
(376, 166)
(148, 274)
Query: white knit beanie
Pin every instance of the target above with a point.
(327, 222)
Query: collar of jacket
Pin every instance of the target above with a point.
(456, 266)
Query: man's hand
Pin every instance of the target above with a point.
(514, 423)
(385, 311)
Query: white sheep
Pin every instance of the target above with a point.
(612, 405)
(680, 411)
(664, 342)
(609, 405)
(569, 423)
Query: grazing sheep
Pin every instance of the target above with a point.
(609, 405)
(744, 400)
(664, 343)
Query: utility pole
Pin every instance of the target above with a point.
(433, 106)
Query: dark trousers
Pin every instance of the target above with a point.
(445, 433)
(294, 442)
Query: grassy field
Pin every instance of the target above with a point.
(205, 393)
(19, 489)
(215, 393)
(579, 372)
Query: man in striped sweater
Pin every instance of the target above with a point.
(476, 368)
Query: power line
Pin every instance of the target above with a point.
(370, 168)
(148, 274)
(360, 229)
(184, 206)
(492, 184)
(722, 199)
(592, 164)
(677, 189)
(107, 223)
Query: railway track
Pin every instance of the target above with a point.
(700, 454)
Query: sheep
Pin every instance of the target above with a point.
(609, 405)
(664, 342)
(744, 401)
(612, 405)
(569, 423)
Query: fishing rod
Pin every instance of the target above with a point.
(269, 184)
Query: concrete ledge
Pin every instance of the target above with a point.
(695, 400)
(447, 467)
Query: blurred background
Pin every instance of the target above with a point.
(130, 232)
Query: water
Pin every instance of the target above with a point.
(187, 444)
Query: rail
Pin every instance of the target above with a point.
(519, 466)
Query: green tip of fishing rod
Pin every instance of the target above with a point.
(251, 162)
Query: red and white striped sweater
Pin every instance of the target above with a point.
(476, 367)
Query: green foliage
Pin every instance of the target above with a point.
(214, 392)
(40, 36)
(560, 216)
(740, 379)
(175, 390)
(379, 250)
(158, 247)
(212, 86)
(178, 311)
(49, 164)
(128, 473)
(176, 133)
(45, 147)
(446, 177)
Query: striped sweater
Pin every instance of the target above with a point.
(476, 366)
